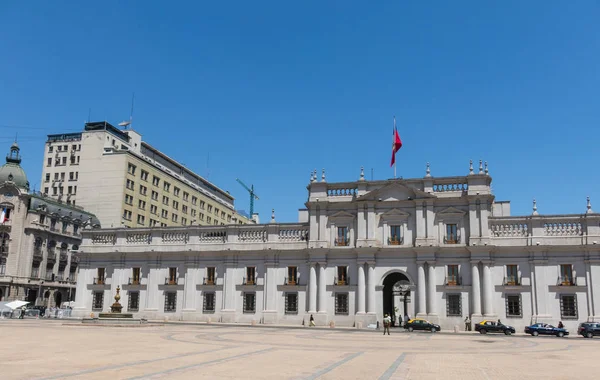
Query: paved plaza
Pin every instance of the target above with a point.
(41, 349)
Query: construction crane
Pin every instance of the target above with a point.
(252, 195)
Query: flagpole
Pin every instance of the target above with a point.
(394, 137)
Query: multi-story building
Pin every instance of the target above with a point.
(125, 181)
(37, 235)
(438, 248)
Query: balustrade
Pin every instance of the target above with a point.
(298, 234)
(453, 281)
(175, 237)
(446, 187)
(566, 281)
(219, 236)
(104, 239)
(141, 238)
(509, 229)
(342, 192)
(341, 281)
(563, 229)
(252, 236)
(511, 281)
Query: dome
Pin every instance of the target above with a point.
(12, 170)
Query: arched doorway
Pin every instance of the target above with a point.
(31, 296)
(396, 294)
(58, 298)
(1, 295)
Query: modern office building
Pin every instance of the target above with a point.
(440, 248)
(37, 235)
(125, 181)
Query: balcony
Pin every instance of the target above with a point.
(452, 239)
(512, 281)
(341, 242)
(208, 281)
(249, 281)
(37, 253)
(64, 256)
(395, 240)
(170, 281)
(99, 281)
(291, 281)
(566, 281)
(134, 281)
(453, 281)
(51, 255)
(343, 281)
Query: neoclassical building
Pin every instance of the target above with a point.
(440, 248)
(37, 236)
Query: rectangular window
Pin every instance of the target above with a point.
(341, 303)
(342, 275)
(172, 280)
(144, 175)
(201, 216)
(170, 302)
(133, 303)
(249, 302)
(208, 219)
(216, 211)
(250, 276)
(342, 236)
(513, 306)
(451, 234)
(202, 204)
(452, 275)
(176, 205)
(292, 278)
(395, 236)
(130, 184)
(50, 149)
(176, 191)
(209, 209)
(165, 200)
(126, 214)
(184, 209)
(210, 276)
(153, 223)
(100, 278)
(164, 214)
(153, 209)
(128, 199)
(453, 305)
(166, 186)
(291, 303)
(142, 205)
(185, 196)
(141, 219)
(143, 189)
(174, 218)
(568, 306)
(512, 275)
(566, 274)
(131, 169)
(193, 213)
(194, 200)
(49, 162)
(136, 276)
(183, 221)
(208, 305)
(98, 301)
(155, 181)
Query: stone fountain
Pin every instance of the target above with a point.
(115, 316)
(115, 309)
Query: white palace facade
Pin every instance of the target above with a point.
(440, 248)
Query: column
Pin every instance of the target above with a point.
(152, 288)
(431, 308)
(371, 285)
(487, 290)
(312, 289)
(322, 292)
(271, 287)
(189, 290)
(475, 289)
(229, 290)
(473, 221)
(360, 307)
(420, 222)
(421, 290)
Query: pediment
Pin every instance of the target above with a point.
(394, 192)
(341, 215)
(451, 211)
(394, 214)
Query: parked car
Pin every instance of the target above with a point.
(545, 329)
(421, 324)
(589, 329)
(485, 327)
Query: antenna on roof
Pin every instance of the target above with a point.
(127, 123)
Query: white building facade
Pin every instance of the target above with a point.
(438, 248)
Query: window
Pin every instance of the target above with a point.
(133, 303)
(566, 274)
(174, 218)
(228, 218)
(185, 196)
(35, 269)
(210, 276)
(183, 221)
(64, 160)
(143, 189)
(451, 234)
(452, 278)
(153, 209)
(144, 175)
(97, 300)
(184, 209)
(395, 236)
(100, 279)
(47, 177)
(153, 223)
(341, 303)
(170, 302)
(155, 181)
(42, 219)
(250, 278)
(201, 216)
(49, 162)
(342, 236)
(130, 184)
(166, 186)
(216, 211)
(512, 275)
(136, 276)
(342, 275)
(208, 305)
(142, 205)
(176, 191)
(172, 280)
(141, 219)
(176, 205)
(65, 226)
(128, 199)
(154, 195)
(46, 190)
(75, 229)
(453, 305)
(50, 149)
(165, 200)
(209, 209)
(126, 214)
(292, 278)
(164, 214)
(568, 306)
(193, 213)
(249, 302)
(208, 219)
(513, 306)
(131, 169)
(202, 204)
(216, 223)
(291, 303)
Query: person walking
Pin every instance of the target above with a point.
(312, 321)
(405, 319)
(386, 324)
(560, 325)
(467, 323)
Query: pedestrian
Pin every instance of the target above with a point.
(467, 323)
(405, 319)
(399, 320)
(499, 323)
(386, 324)
(560, 325)
(312, 321)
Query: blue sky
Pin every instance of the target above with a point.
(273, 90)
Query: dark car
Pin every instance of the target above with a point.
(545, 329)
(589, 329)
(421, 324)
(485, 327)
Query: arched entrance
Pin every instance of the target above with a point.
(58, 298)
(31, 296)
(396, 294)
